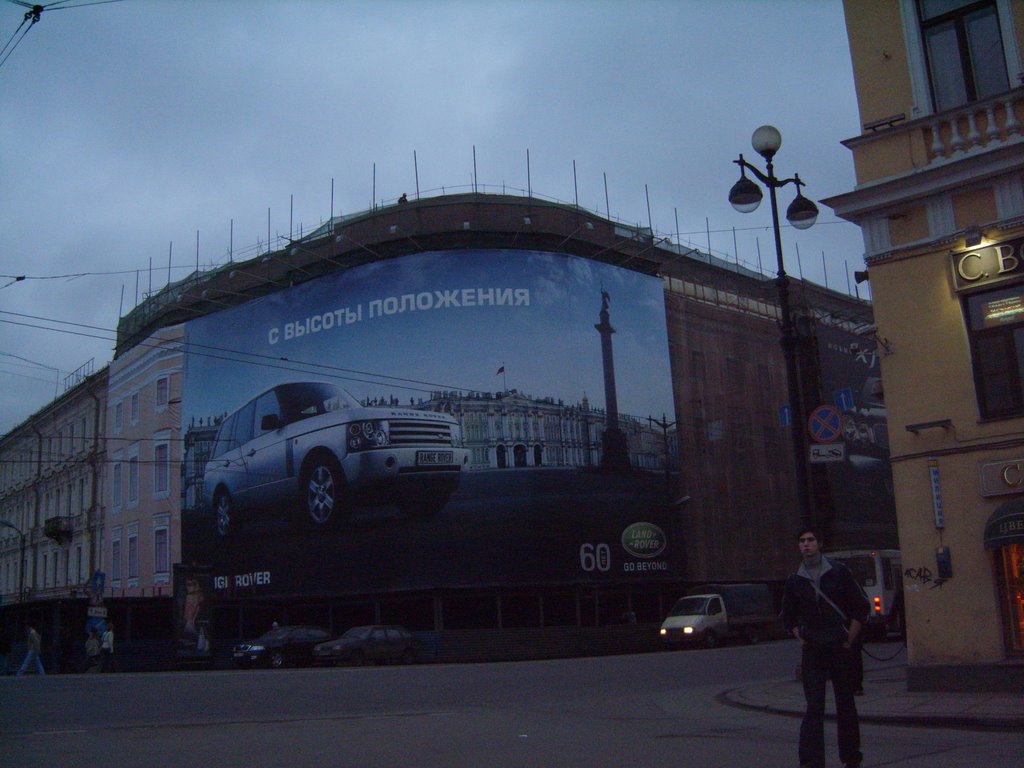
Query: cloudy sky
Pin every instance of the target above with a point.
(128, 127)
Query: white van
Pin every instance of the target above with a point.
(880, 574)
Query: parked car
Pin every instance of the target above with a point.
(379, 644)
(310, 449)
(280, 647)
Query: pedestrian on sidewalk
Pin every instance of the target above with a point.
(35, 648)
(92, 652)
(824, 608)
(107, 649)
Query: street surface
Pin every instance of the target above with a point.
(645, 710)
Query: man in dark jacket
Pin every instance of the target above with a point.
(825, 608)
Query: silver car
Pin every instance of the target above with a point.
(311, 449)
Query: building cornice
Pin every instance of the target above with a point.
(891, 193)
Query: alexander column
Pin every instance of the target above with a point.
(614, 449)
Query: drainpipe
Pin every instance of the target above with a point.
(93, 502)
(36, 483)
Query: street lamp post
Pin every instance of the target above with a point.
(21, 565)
(745, 196)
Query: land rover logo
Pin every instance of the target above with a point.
(644, 540)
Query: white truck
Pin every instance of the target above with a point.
(714, 612)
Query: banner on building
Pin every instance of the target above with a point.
(348, 435)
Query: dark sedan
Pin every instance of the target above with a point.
(379, 644)
(280, 647)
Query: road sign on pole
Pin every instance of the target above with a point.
(785, 416)
(825, 424)
(843, 399)
(826, 453)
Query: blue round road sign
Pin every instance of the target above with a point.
(825, 424)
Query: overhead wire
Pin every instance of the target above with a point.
(33, 15)
(297, 366)
(6, 53)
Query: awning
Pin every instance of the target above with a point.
(1006, 525)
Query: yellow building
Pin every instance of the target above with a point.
(940, 200)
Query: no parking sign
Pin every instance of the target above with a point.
(825, 424)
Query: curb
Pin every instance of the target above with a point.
(961, 722)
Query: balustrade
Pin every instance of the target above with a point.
(979, 126)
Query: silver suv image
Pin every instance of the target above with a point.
(311, 450)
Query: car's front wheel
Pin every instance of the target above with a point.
(223, 512)
(323, 484)
(277, 659)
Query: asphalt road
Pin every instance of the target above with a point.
(645, 710)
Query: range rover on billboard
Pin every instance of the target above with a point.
(311, 450)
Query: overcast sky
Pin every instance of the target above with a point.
(128, 126)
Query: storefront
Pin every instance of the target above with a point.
(1004, 536)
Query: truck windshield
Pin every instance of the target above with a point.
(690, 606)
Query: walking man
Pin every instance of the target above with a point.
(824, 608)
(92, 652)
(107, 649)
(35, 647)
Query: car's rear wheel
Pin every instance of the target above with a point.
(407, 656)
(323, 484)
(223, 512)
(358, 658)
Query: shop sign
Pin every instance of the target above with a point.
(1006, 525)
(1001, 478)
(987, 265)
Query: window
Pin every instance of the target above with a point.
(162, 389)
(224, 442)
(81, 494)
(161, 466)
(964, 49)
(135, 407)
(118, 417)
(115, 556)
(133, 552)
(78, 576)
(243, 423)
(1010, 574)
(133, 475)
(161, 550)
(115, 484)
(995, 321)
(266, 405)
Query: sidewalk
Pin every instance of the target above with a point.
(886, 700)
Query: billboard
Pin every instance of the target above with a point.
(862, 488)
(446, 419)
